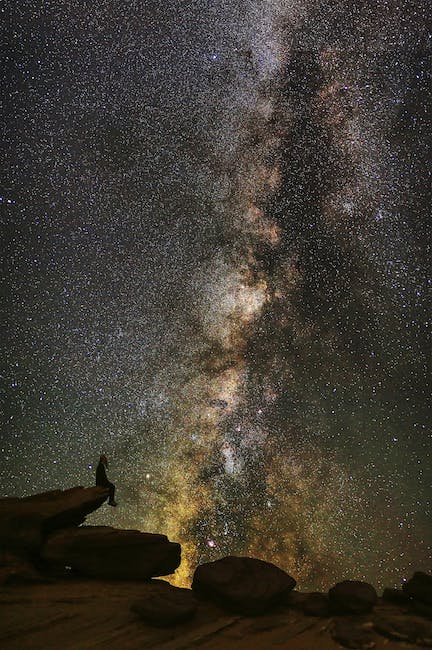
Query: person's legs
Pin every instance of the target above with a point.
(111, 500)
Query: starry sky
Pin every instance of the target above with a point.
(216, 241)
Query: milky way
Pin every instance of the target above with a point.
(216, 226)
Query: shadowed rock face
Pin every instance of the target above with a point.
(108, 553)
(242, 584)
(352, 597)
(419, 587)
(25, 522)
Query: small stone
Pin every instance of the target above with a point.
(167, 608)
(352, 597)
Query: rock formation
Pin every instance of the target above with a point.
(242, 584)
(43, 532)
(107, 553)
(352, 597)
(26, 522)
(98, 590)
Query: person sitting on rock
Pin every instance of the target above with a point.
(102, 480)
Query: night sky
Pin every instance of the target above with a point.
(216, 241)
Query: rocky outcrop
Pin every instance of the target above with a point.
(41, 541)
(108, 553)
(242, 584)
(352, 597)
(169, 607)
(24, 523)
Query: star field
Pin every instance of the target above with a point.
(216, 242)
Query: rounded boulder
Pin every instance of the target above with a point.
(352, 597)
(242, 584)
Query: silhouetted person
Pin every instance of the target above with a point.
(102, 480)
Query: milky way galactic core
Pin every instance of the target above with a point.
(216, 233)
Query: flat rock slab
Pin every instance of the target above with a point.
(352, 597)
(167, 608)
(242, 584)
(109, 553)
(25, 522)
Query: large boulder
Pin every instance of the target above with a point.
(242, 584)
(419, 587)
(352, 597)
(109, 553)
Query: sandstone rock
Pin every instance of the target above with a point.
(316, 604)
(395, 596)
(352, 597)
(104, 552)
(242, 584)
(25, 522)
(352, 634)
(167, 608)
(419, 587)
(16, 570)
(405, 628)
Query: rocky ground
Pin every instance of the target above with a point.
(65, 586)
(84, 614)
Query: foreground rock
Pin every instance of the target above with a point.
(352, 597)
(16, 570)
(411, 629)
(76, 614)
(25, 522)
(242, 584)
(167, 608)
(108, 553)
(352, 633)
